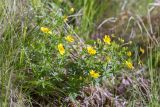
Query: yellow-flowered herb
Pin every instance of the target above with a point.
(107, 39)
(69, 38)
(142, 50)
(129, 64)
(129, 53)
(91, 50)
(61, 49)
(94, 74)
(46, 30)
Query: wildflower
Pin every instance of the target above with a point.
(69, 38)
(129, 64)
(91, 50)
(46, 30)
(94, 74)
(107, 39)
(129, 53)
(61, 49)
(72, 10)
(65, 18)
(142, 50)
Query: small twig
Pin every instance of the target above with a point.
(112, 19)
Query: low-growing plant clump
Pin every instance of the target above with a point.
(54, 53)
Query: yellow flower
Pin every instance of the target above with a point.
(69, 38)
(91, 50)
(129, 53)
(142, 50)
(61, 49)
(91, 72)
(71, 10)
(129, 64)
(94, 74)
(65, 18)
(107, 39)
(46, 30)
